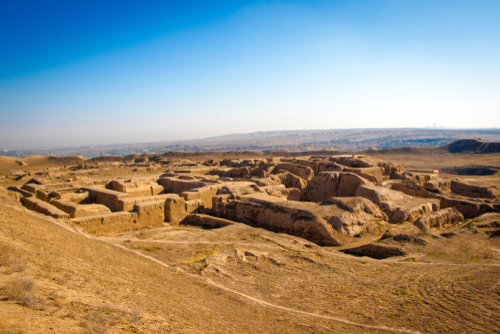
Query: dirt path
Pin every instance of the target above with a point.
(266, 304)
(116, 240)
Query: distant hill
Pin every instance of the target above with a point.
(473, 146)
(476, 146)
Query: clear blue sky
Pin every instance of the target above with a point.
(94, 72)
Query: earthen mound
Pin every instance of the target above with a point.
(473, 146)
(37, 160)
(402, 229)
(224, 263)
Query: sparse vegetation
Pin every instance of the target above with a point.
(435, 255)
(147, 248)
(150, 248)
(90, 328)
(11, 331)
(199, 256)
(195, 226)
(23, 291)
(144, 234)
(134, 315)
(5, 256)
(59, 302)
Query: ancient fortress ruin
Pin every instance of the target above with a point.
(329, 200)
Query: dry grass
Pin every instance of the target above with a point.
(10, 260)
(466, 248)
(147, 248)
(6, 258)
(11, 331)
(58, 300)
(134, 315)
(90, 328)
(144, 234)
(23, 291)
(98, 320)
(101, 319)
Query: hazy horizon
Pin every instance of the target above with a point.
(75, 74)
(494, 132)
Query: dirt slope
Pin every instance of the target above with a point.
(8, 162)
(50, 159)
(236, 279)
(84, 286)
(37, 162)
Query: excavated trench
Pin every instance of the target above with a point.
(471, 170)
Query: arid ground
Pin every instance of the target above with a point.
(55, 278)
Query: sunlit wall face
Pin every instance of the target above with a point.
(79, 74)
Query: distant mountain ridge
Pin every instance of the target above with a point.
(353, 140)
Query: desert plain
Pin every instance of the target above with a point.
(393, 241)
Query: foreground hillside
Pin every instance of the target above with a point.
(55, 279)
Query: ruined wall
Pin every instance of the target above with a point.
(79, 210)
(399, 207)
(137, 188)
(333, 184)
(127, 204)
(372, 174)
(469, 190)
(303, 172)
(295, 222)
(175, 210)
(149, 214)
(109, 198)
(177, 186)
(43, 207)
(204, 193)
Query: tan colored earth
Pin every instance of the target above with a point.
(55, 278)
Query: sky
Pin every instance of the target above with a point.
(76, 73)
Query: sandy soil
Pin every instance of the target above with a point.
(441, 160)
(239, 279)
